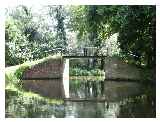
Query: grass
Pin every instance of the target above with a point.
(20, 103)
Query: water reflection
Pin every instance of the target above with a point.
(90, 110)
(130, 105)
(86, 88)
(124, 99)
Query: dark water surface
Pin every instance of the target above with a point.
(123, 99)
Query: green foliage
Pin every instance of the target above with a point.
(91, 22)
(15, 40)
(85, 72)
(135, 25)
(136, 28)
(19, 72)
(13, 75)
(141, 40)
(61, 35)
(78, 20)
(57, 13)
(28, 37)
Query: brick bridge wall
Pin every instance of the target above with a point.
(51, 68)
(46, 78)
(115, 68)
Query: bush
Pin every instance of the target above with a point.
(85, 72)
(19, 72)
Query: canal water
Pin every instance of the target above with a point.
(123, 99)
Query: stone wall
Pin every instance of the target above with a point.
(115, 68)
(46, 78)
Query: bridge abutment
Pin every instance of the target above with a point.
(116, 68)
(49, 78)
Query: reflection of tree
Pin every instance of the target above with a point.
(94, 88)
(102, 87)
(86, 88)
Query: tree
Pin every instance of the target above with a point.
(27, 36)
(137, 33)
(57, 14)
(15, 42)
(135, 25)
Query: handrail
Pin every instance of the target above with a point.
(85, 51)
